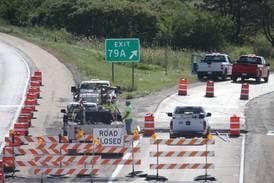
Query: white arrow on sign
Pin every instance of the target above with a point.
(133, 53)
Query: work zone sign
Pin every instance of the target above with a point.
(113, 137)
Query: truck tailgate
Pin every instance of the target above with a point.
(244, 68)
(191, 124)
(210, 66)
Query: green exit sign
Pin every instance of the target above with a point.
(122, 50)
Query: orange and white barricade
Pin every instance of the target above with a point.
(209, 89)
(182, 166)
(244, 91)
(149, 127)
(182, 153)
(8, 158)
(235, 126)
(30, 139)
(24, 119)
(182, 90)
(182, 141)
(65, 147)
(65, 171)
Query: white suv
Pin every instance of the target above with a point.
(189, 120)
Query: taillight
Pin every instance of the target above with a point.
(222, 67)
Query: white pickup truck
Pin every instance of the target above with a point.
(214, 65)
(188, 121)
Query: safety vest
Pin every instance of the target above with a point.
(128, 109)
(109, 107)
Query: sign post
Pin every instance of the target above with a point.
(122, 50)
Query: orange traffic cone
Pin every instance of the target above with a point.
(244, 91)
(182, 87)
(209, 89)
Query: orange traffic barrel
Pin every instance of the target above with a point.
(149, 127)
(30, 102)
(32, 96)
(209, 89)
(37, 79)
(244, 91)
(2, 175)
(24, 119)
(38, 73)
(235, 126)
(8, 159)
(182, 90)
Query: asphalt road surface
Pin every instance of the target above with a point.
(14, 76)
(260, 140)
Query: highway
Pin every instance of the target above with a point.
(14, 76)
(233, 156)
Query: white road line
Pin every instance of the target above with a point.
(119, 167)
(241, 177)
(24, 92)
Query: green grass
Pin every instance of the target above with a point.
(88, 57)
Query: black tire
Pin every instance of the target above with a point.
(224, 76)
(234, 79)
(172, 136)
(199, 76)
(266, 79)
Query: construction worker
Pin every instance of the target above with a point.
(109, 106)
(128, 117)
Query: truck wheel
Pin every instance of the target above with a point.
(266, 78)
(234, 79)
(199, 76)
(224, 76)
(172, 136)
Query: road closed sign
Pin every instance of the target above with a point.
(113, 137)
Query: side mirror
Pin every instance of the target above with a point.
(63, 111)
(208, 114)
(202, 116)
(268, 64)
(169, 114)
(73, 89)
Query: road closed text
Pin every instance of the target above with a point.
(109, 136)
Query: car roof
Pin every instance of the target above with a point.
(216, 54)
(95, 81)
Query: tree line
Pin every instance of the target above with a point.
(202, 24)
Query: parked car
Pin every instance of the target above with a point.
(214, 65)
(251, 66)
(189, 120)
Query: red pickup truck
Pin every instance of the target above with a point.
(250, 66)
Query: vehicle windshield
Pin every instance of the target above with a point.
(251, 60)
(91, 99)
(183, 110)
(92, 86)
(214, 58)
